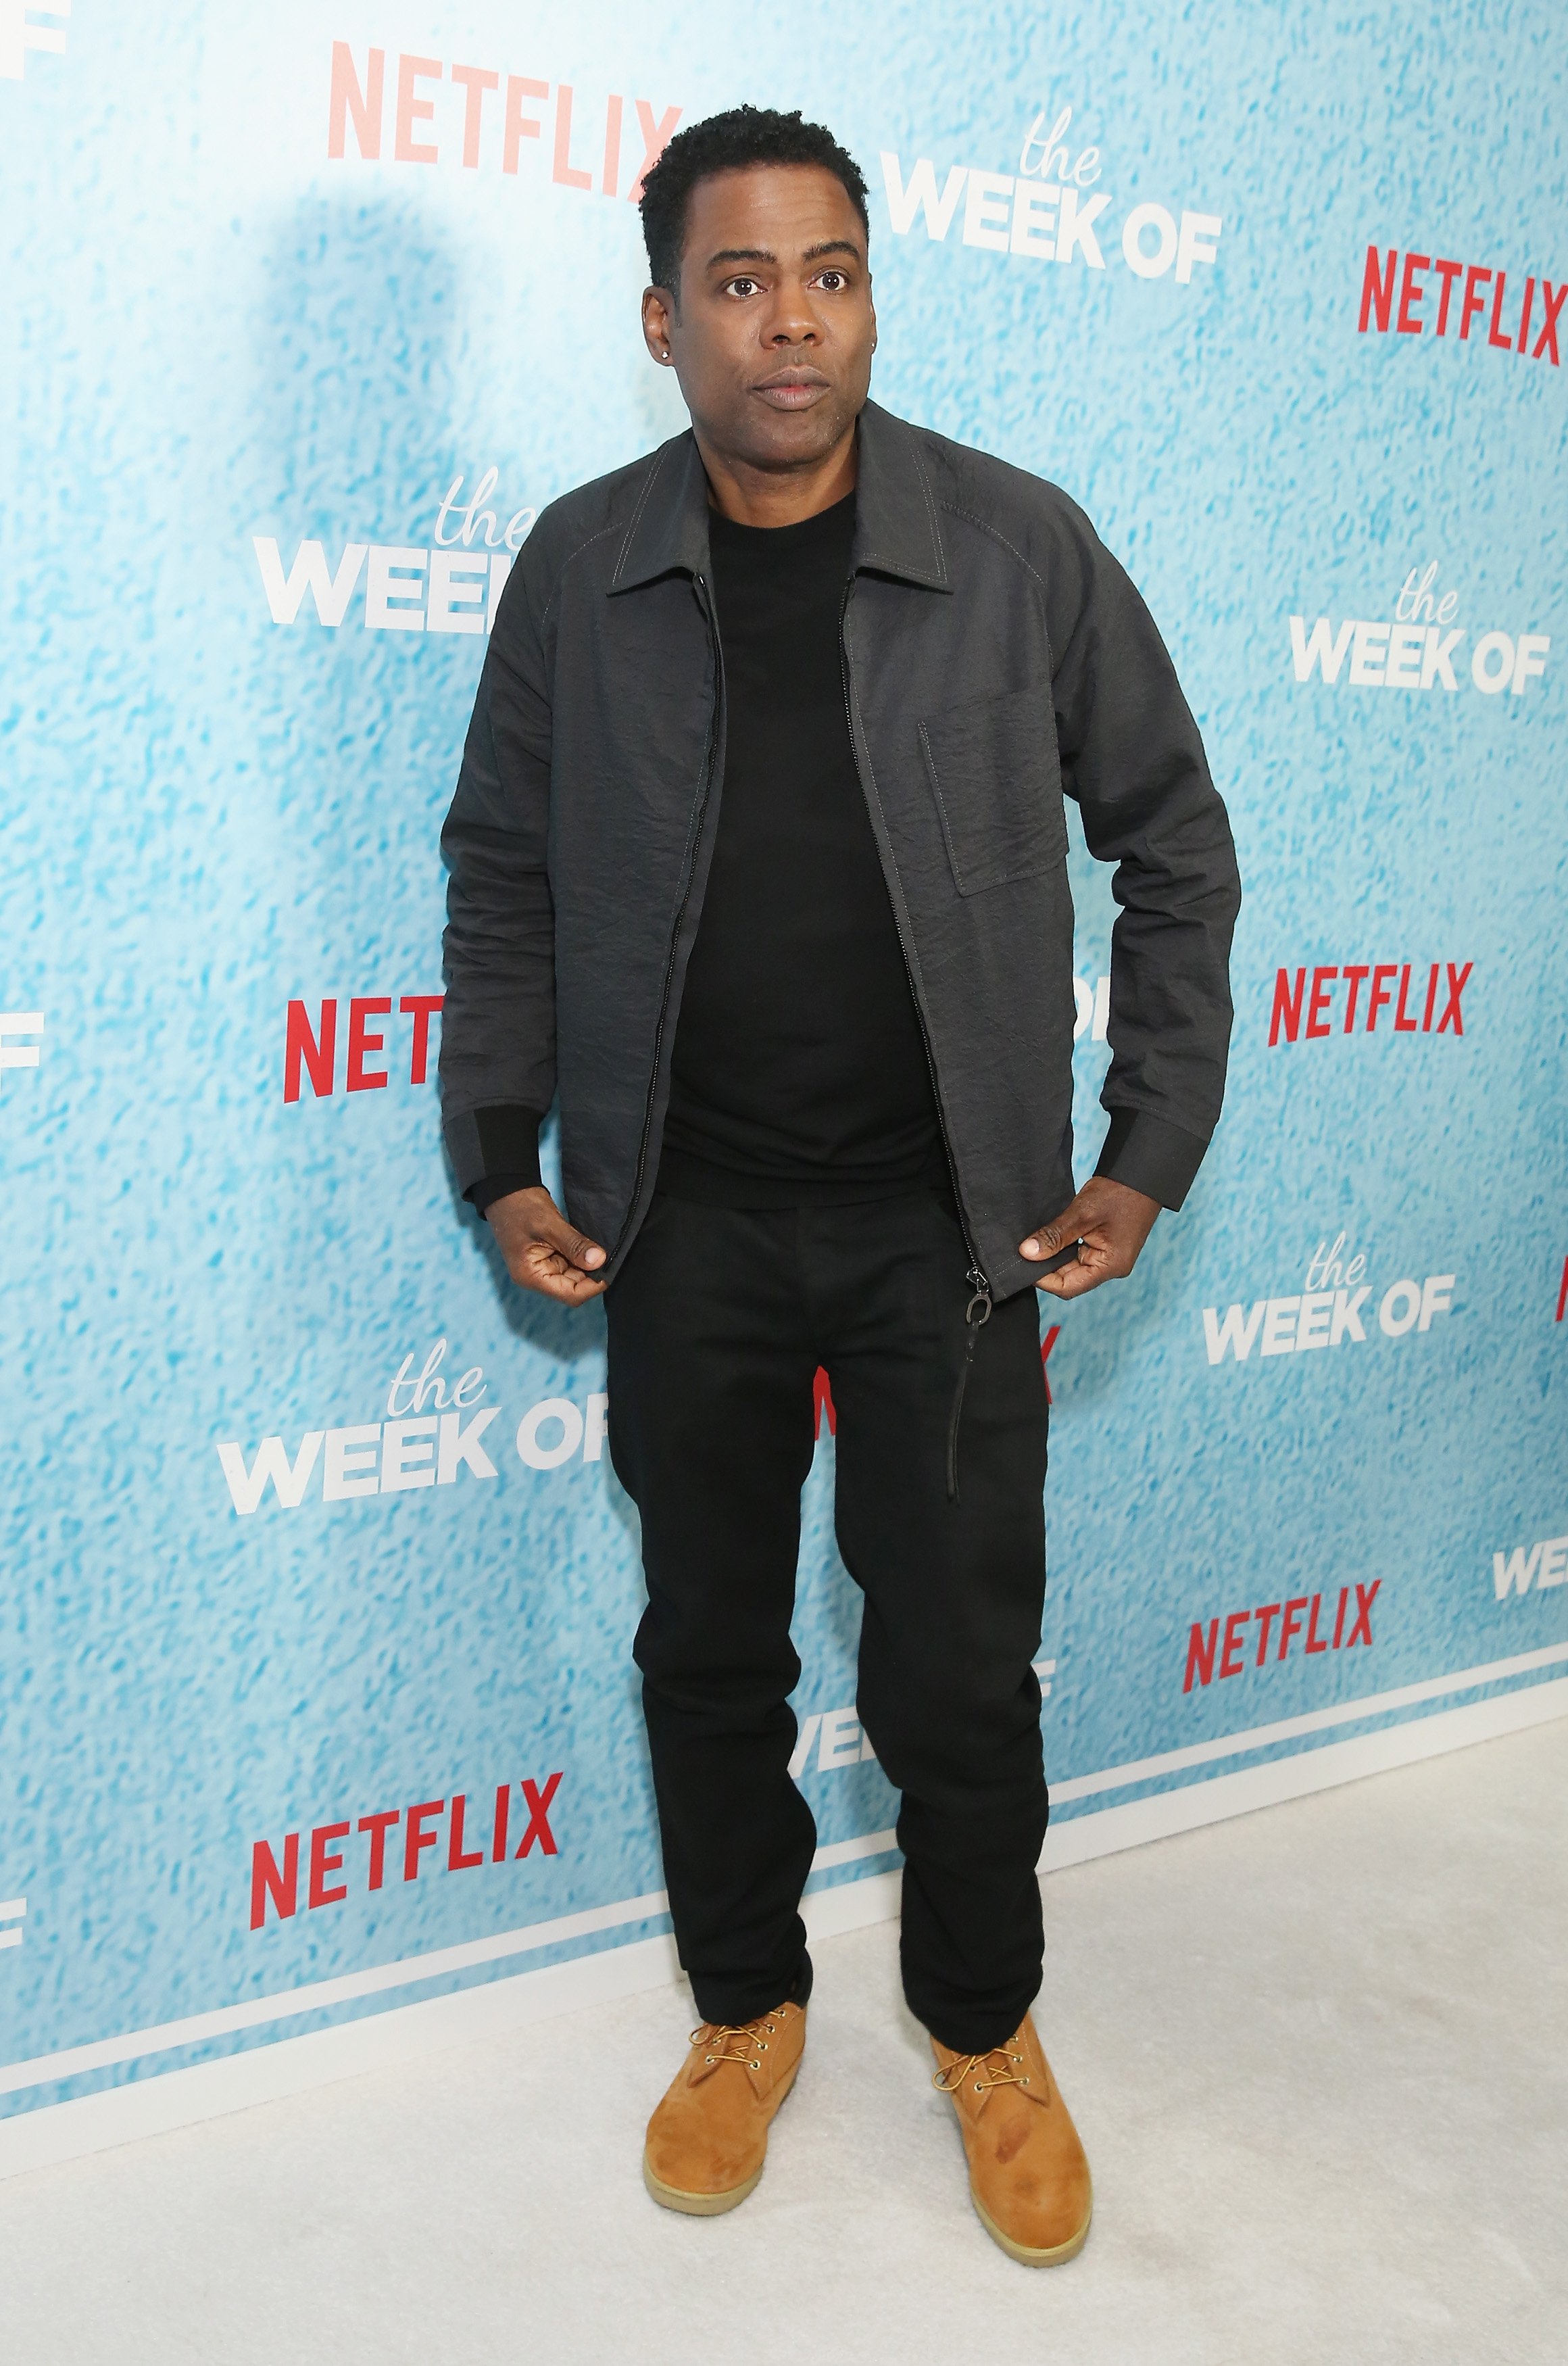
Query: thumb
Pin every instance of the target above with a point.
(574, 1246)
(1060, 1234)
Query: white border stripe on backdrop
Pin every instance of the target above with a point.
(319, 1996)
(322, 1995)
(1318, 1720)
(409, 2030)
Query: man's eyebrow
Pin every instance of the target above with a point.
(764, 254)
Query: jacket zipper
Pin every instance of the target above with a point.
(977, 1314)
(702, 585)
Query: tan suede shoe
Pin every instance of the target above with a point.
(1028, 2176)
(707, 2140)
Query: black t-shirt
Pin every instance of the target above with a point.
(798, 1071)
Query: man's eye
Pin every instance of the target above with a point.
(832, 280)
(741, 288)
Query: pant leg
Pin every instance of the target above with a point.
(954, 1593)
(712, 1433)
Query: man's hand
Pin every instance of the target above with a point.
(542, 1251)
(1110, 1222)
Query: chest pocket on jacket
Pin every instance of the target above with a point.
(992, 767)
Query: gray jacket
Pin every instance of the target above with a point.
(995, 655)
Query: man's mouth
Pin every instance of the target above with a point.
(792, 389)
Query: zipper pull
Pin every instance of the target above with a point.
(981, 1297)
(974, 1322)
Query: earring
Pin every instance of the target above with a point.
(665, 353)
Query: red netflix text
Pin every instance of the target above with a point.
(1467, 296)
(310, 1045)
(1047, 1344)
(1302, 1616)
(497, 116)
(822, 1406)
(1421, 999)
(824, 1409)
(275, 1880)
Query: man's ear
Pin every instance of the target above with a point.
(658, 315)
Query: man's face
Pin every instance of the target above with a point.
(772, 341)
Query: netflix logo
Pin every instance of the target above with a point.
(1224, 1648)
(475, 116)
(1482, 299)
(1334, 1002)
(401, 1837)
(310, 1045)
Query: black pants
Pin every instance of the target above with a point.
(717, 1324)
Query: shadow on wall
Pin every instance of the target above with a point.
(354, 370)
(356, 386)
(567, 1335)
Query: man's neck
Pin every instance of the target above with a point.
(752, 496)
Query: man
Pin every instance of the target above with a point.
(759, 865)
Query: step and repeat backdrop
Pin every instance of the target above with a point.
(319, 1589)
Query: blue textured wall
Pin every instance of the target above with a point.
(215, 331)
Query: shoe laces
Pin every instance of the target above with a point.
(744, 2041)
(982, 2071)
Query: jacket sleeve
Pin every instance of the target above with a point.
(498, 1036)
(1132, 758)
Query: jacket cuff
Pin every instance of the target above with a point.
(1150, 1156)
(487, 1143)
(491, 1188)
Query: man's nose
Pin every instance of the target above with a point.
(792, 321)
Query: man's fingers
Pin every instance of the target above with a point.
(564, 1238)
(1072, 1281)
(557, 1236)
(1101, 1257)
(1109, 1222)
(553, 1275)
(542, 1249)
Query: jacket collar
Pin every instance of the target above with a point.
(896, 529)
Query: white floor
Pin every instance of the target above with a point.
(1319, 2057)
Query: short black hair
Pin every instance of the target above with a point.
(724, 143)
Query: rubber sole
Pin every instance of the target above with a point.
(698, 2205)
(713, 2206)
(1056, 2256)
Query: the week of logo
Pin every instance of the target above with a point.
(30, 26)
(1418, 647)
(299, 1487)
(1339, 1298)
(454, 586)
(433, 1434)
(1048, 209)
(16, 1027)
